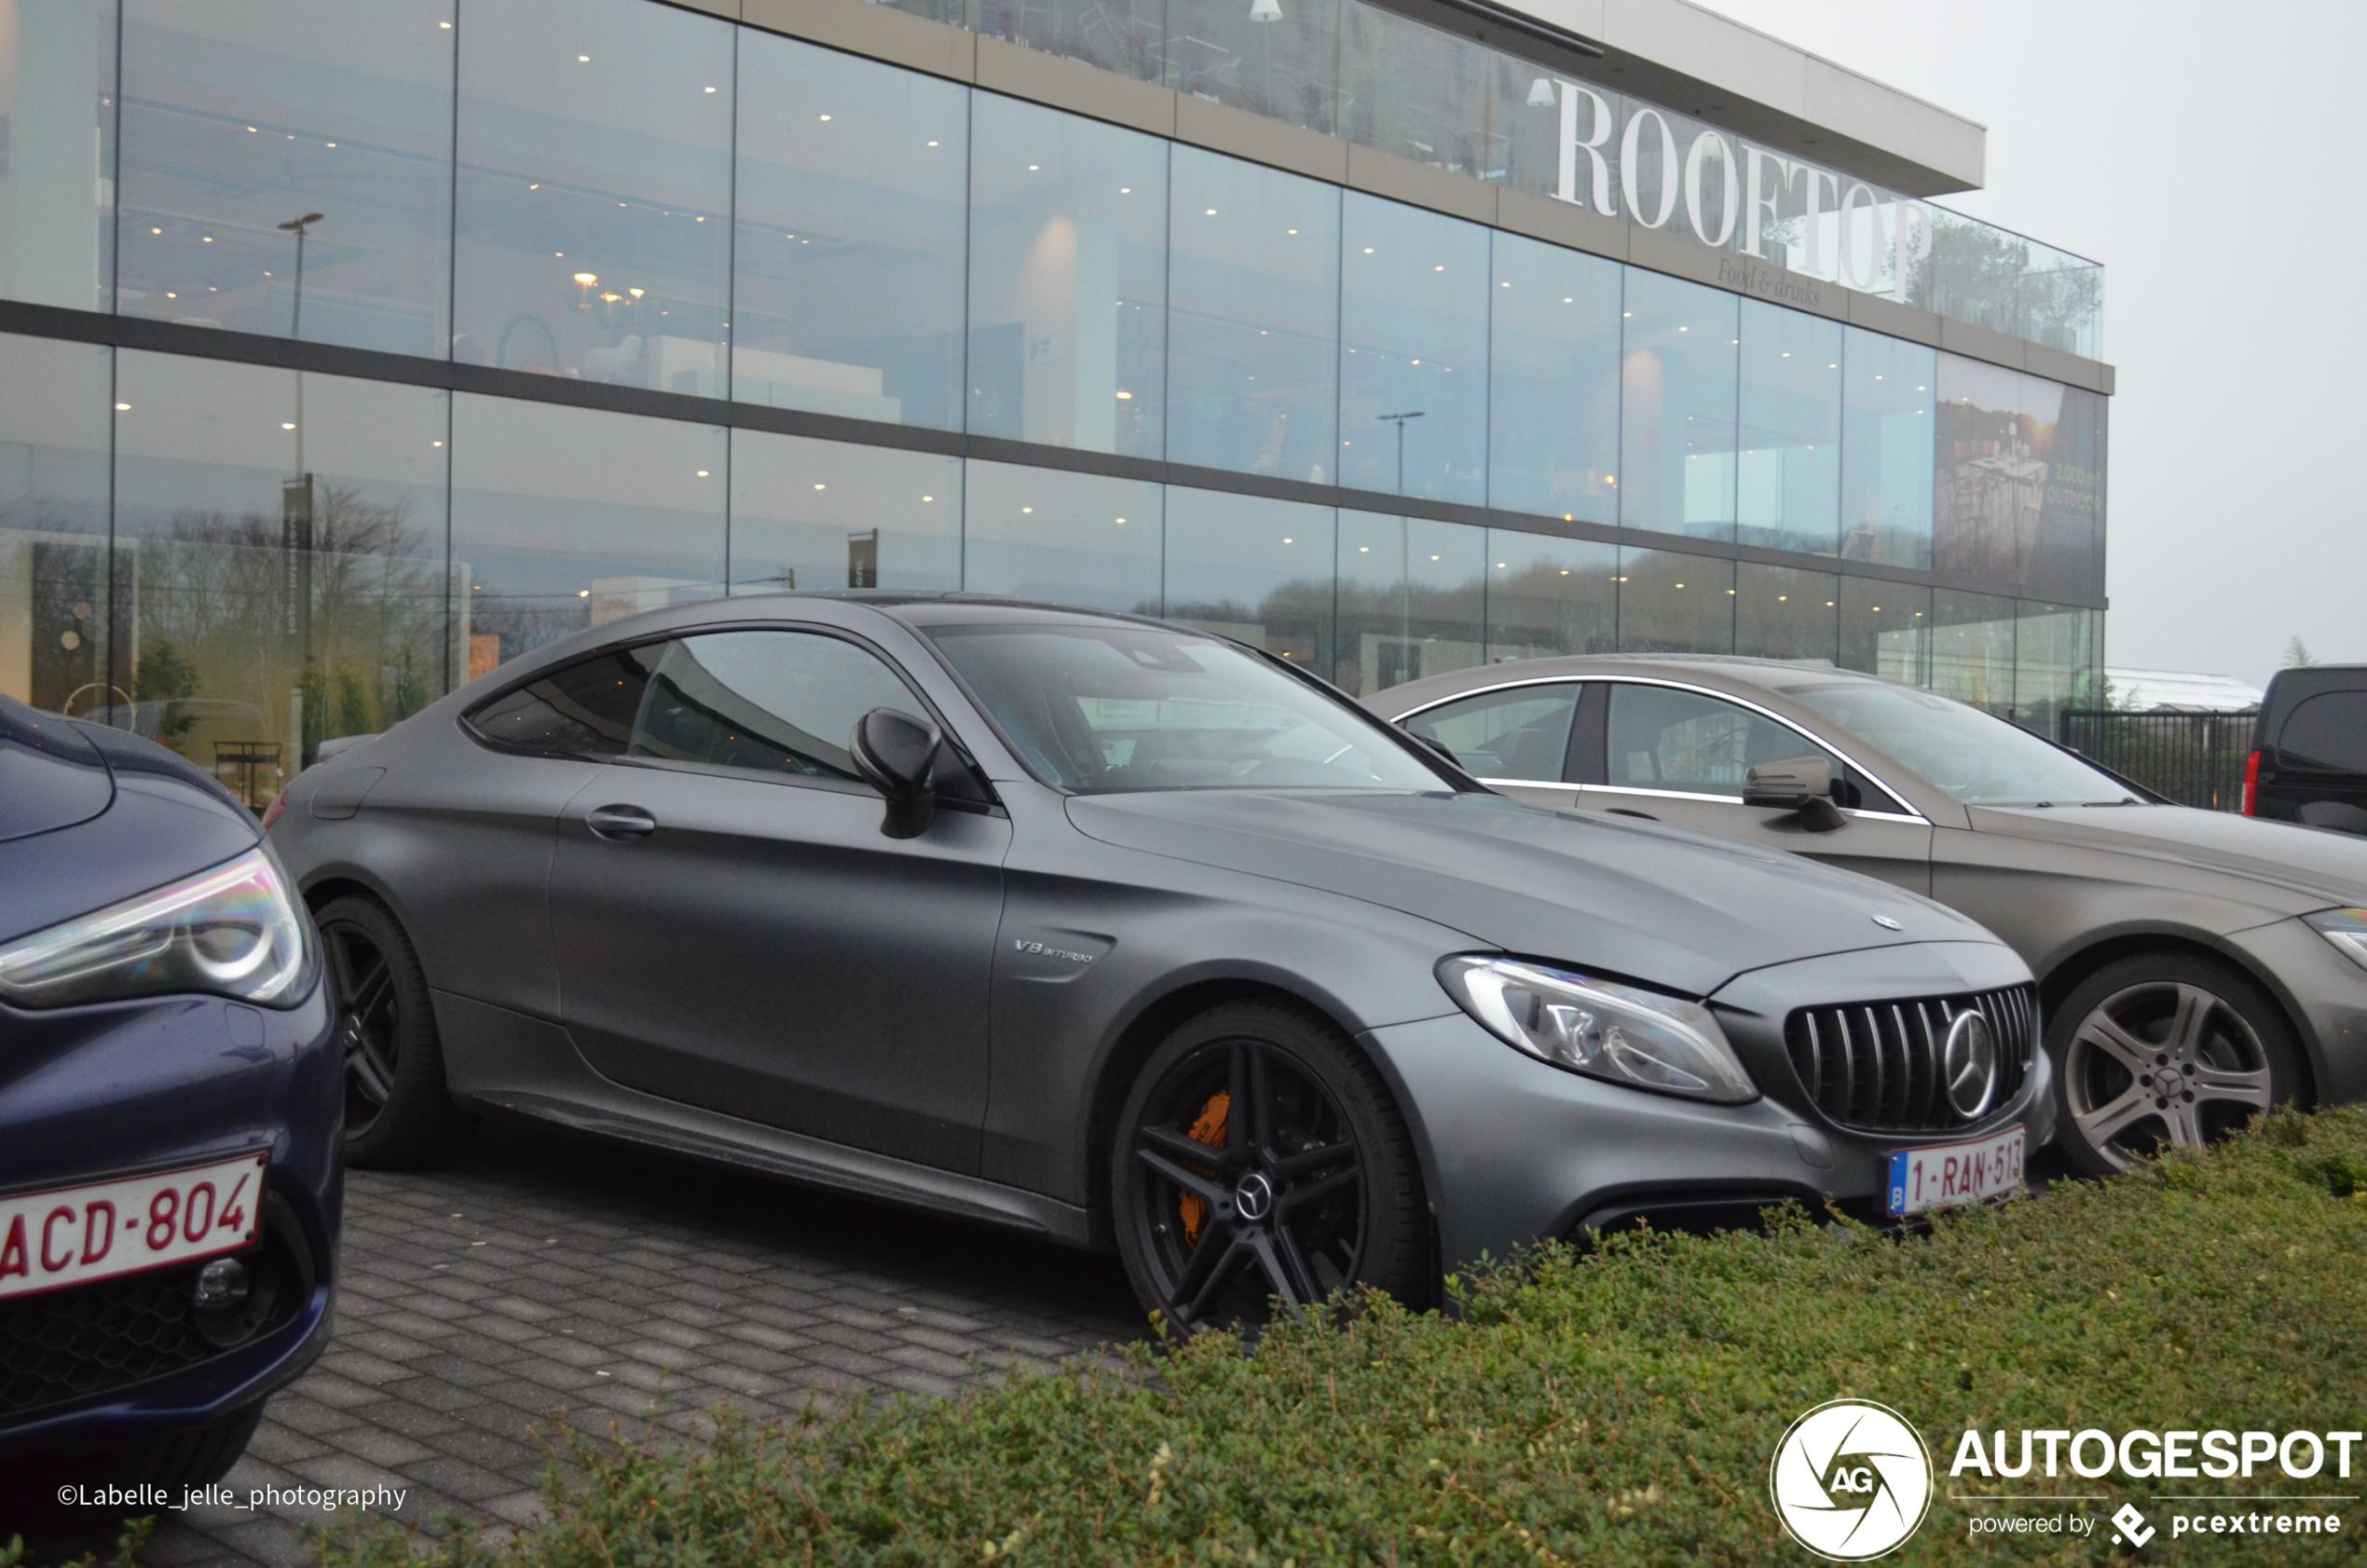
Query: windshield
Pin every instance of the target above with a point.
(1980, 760)
(1113, 707)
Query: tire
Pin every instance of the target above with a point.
(1220, 1216)
(398, 1112)
(2165, 1049)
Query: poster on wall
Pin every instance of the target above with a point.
(2019, 495)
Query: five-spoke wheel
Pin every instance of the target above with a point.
(2165, 1049)
(397, 1111)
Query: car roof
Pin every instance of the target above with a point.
(1767, 674)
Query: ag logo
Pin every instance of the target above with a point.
(1851, 1479)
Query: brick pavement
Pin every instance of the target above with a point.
(538, 1274)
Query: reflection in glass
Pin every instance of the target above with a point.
(592, 212)
(2055, 665)
(1255, 570)
(1677, 402)
(1782, 612)
(2020, 479)
(1548, 597)
(1274, 58)
(1414, 291)
(57, 180)
(1972, 649)
(279, 571)
(1415, 92)
(1670, 602)
(1787, 471)
(1253, 317)
(53, 524)
(1661, 738)
(809, 513)
(1067, 538)
(1554, 383)
(287, 169)
(1411, 596)
(1886, 427)
(1121, 36)
(1885, 629)
(851, 212)
(1068, 280)
(769, 701)
(1514, 732)
(563, 518)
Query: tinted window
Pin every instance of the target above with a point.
(2329, 732)
(1517, 732)
(1664, 739)
(585, 710)
(774, 702)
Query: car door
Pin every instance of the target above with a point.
(1514, 737)
(735, 931)
(1680, 755)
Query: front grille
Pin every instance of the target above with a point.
(1876, 1066)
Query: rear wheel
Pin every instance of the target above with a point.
(2166, 1049)
(396, 1110)
(1259, 1160)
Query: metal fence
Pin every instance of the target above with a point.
(2196, 759)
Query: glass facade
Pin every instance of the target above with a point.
(779, 267)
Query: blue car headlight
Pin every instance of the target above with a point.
(2346, 929)
(232, 931)
(1624, 1034)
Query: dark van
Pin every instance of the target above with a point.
(2309, 749)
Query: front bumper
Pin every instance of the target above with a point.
(90, 1093)
(2322, 992)
(1516, 1151)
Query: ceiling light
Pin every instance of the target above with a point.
(286, 425)
(587, 279)
(702, 473)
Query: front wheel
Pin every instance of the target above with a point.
(2166, 1049)
(1259, 1162)
(397, 1111)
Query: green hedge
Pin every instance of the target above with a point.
(1622, 1408)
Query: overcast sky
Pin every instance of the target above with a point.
(2207, 157)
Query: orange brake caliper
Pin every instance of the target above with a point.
(1208, 1128)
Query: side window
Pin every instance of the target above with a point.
(1665, 738)
(771, 701)
(1516, 732)
(2328, 731)
(585, 710)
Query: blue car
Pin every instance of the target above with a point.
(171, 1111)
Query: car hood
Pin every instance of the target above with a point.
(2298, 868)
(50, 776)
(1674, 908)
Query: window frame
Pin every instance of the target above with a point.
(1584, 686)
(1904, 814)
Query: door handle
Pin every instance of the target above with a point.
(619, 823)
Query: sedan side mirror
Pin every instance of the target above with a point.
(1802, 784)
(894, 753)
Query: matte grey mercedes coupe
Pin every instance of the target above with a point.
(1127, 935)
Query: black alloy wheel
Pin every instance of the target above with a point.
(1261, 1163)
(397, 1111)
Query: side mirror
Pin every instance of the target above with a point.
(1433, 743)
(1802, 784)
(893, 752)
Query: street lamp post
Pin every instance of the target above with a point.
(297, 525)
(298, 227)
(1399, 420)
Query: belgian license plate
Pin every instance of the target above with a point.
(1956, 1173)
(72, 1236)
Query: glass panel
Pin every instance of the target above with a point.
(1554, 382)
(853, 214)
(1275, 58)
(772, 701)
(1980, 760)
(2020, 479)
(1886, 629)
(1886, 427)
(1673, 603)
(1548, 597)
(1781, 612)
(1416, 92)
(2054, 668)
(1520, 732)
(279, 571)
(53, 524)
(1069, 538)
(1664, 739)
(1254, 314)
(287, 169)
(1255, 570)
(585, 710)
(1413, 360)
(563, 518)
(810, 513)
(57, 179)
(2327, 733)
(1972, 648)
(1788, 466)
(595, 192)
(1121, 36)
(1068, 280)
(1676, 403)
(1410, 594)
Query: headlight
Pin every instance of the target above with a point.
(232, 931)
(2346, 929)
(1625, 1034)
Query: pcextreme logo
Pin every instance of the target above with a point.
(1851, 1479)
